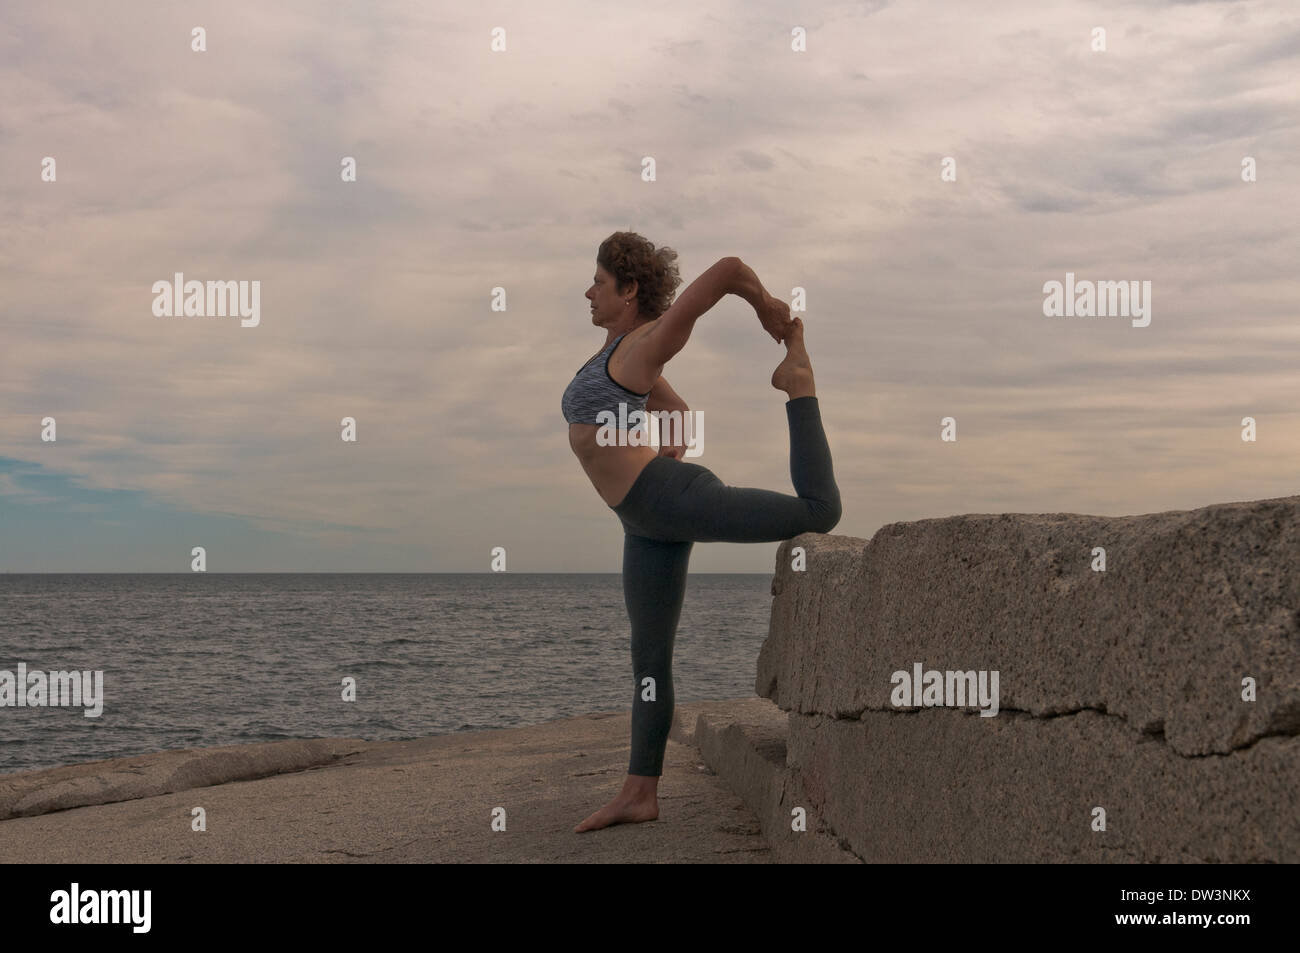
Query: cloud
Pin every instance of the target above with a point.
(481, 170)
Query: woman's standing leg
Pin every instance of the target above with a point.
(654, 586)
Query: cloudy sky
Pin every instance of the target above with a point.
(479, 169)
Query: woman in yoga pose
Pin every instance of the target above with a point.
(667, 504)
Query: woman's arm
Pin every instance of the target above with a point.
(672, 329)
(664, 399)
(747, 285)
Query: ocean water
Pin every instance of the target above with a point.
(204, 659)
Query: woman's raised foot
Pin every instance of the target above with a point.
(794, 374)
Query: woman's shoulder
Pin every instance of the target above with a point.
(642, 330)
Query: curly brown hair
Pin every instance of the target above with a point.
(627, 256)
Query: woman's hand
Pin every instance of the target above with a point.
(774, 315)
(674, 452)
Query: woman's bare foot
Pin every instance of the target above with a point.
(620, 811)
(638, 801)
(794, 374)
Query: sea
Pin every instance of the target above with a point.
(197, 660)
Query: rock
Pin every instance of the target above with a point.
(1120, 689)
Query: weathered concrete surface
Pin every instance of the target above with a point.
(744, 741)
(30, 793)
(1190, 603)
(423, 801)
(942, 785)
(1118, 689)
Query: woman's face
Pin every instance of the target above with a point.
(606, 303)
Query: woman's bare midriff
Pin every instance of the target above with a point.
(613, 469)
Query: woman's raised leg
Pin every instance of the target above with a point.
(708, 510)
(694, 504)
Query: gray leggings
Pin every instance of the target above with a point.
(674, 504)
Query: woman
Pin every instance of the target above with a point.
(667, 504)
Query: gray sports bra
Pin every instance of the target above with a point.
(593, 389)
